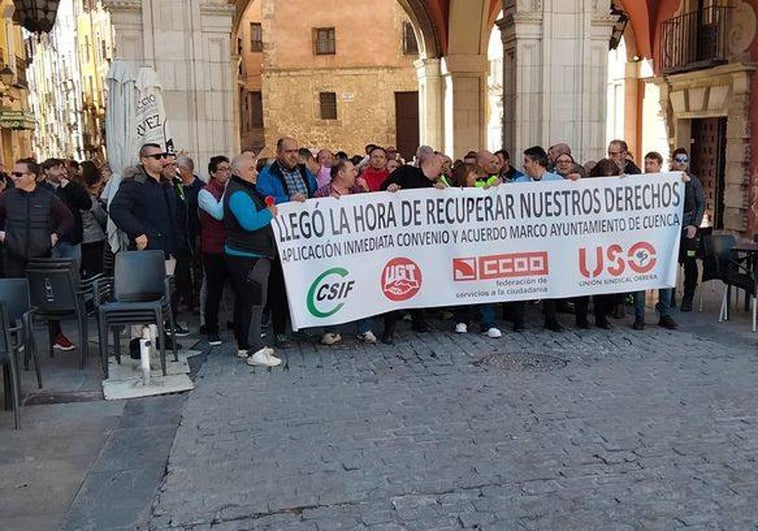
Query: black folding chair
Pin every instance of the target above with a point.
(9, 361)
(15, 293)
(721, 263)
(141, 295)
(58, 293)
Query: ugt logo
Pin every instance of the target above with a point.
(328, 293)
(401, 279)
(640, 257)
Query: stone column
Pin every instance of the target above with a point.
(187, 41)
(555, 63)
(430, 101)
(465, 86)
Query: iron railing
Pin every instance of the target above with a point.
(694, 40)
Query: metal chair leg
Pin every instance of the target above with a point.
(102, 326)
(753, 301)
(15, 388)
(51, 339)
(722, 310)
(173, 334)
(162, 340)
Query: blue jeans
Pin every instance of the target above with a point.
(68, 250)
(363, 325)
(462, 314)
(664, 303)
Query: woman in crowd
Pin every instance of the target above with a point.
(603, 304)
(465, 176)
(93, 221)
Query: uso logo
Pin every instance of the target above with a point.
(614, 259)
(401, 279)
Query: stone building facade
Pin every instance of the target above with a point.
(331, 78)
(16, 120)
(67, 76)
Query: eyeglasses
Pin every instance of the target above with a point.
(18, 173)
(615, 153)
(223, 168)
(682, 159)
(564, 161)
(157, 156)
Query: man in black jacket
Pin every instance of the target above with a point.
(76, 198)
(32, 220)
(145, 209)
(406, 178)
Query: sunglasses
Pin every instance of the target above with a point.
(681, 159)
(157, 156)
(18, 173)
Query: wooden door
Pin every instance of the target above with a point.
(406, 124)
(708, 163)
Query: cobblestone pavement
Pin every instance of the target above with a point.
(593, 430)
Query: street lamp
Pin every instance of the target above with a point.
(37, 16)
(618, 27)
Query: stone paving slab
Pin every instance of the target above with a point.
(43, 464)
(652, 429)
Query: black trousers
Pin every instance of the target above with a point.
(216, 275)
(515, 310)
(277, 298)
(250, 277)
(92, 258)
(688, 258)
(603, 306)
(183, 275)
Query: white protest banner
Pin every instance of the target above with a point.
(367, 254)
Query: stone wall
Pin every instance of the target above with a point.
(365, 72)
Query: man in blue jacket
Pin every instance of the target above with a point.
(285, 180)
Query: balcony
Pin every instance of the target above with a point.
(694, 41)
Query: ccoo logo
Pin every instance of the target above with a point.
(328, 293)
(640, 258)
(401, 279)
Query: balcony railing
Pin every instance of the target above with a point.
(694, 40)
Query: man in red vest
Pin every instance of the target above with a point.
(212, 238)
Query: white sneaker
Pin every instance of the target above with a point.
(367, 337)
(461, 328)
(242, 354)
(264, 358)
(494, 333)
(331, 338)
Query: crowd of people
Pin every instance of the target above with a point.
(219, 245)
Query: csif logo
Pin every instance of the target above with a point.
(613, 259)
(328, 293)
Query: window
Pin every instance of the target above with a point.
(256, 37)
(328, 103)
(256, 109)
(324, 41)
(410, 44)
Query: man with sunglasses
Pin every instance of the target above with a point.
(32, 219)
(145, 205)
(145, 209)
(694, 208)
